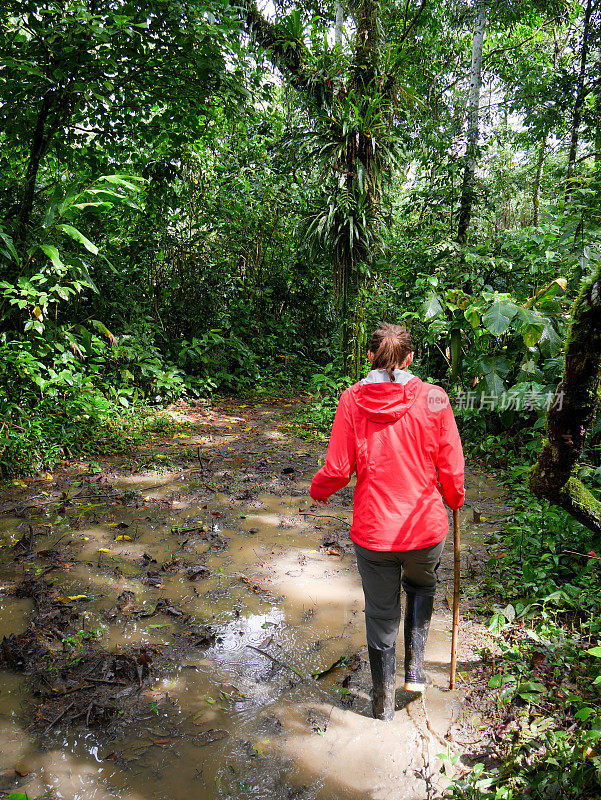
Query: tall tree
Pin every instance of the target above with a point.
(352, 102)
(581, 93)
(80, 74)
(467, 188)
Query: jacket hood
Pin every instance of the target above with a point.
(386, 402)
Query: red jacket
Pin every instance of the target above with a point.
(404, 444)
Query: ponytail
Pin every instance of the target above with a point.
(390, 346)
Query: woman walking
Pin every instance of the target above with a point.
(399, 435)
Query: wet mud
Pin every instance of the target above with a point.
(201, 621)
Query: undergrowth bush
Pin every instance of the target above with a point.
(546, 613)
(62, 396)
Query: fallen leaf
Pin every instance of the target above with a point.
(194, 573)
(22, 772)
(123, 538)
(152, 578)
(73, 597)
(126, 601)
(210, 736)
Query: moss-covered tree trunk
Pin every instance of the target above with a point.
(573, 410)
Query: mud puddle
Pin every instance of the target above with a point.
(221, 531)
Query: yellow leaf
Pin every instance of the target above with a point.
(70, 598)
(37, 312)
(104, 550)
(181, 435)
(123, 538)
(20, 483)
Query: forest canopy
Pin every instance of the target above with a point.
(224, 198)
(221, 197)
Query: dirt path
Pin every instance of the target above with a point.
(183, 600)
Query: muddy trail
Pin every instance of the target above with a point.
(185, 622)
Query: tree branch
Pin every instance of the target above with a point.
(495, 51)
(413, 22)
(289, 55)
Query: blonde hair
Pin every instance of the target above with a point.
(390, 345)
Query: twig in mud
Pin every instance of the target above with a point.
(194, 528)
(322, 516)
(277, 661)
(82, 687)
(60, 538)
(58, 718)
(440, 738)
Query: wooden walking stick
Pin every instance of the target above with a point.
(456, 565)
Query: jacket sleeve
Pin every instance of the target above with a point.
(340, 460)
(451, 465)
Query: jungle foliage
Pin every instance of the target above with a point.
(196, 198)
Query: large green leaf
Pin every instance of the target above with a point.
(550, 341)
(431, 307)
(53, 255)
(496, 319)
(531, 326)
(79, 237)
(123, 180)
(472, 316)
(556, 287)
(9, 243)
(494, 369)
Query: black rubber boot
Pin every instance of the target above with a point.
(417, 624)
(383, 672)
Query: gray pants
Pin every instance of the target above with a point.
(381, 578)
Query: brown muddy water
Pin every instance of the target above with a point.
(243, 717)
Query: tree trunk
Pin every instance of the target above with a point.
(598, 122)
(581, 93)
(572, 412)
(537, 180)
(38, 147)
(364, 70)
(467, 189)
(361, 185)
(338, 24)
(456, 355)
